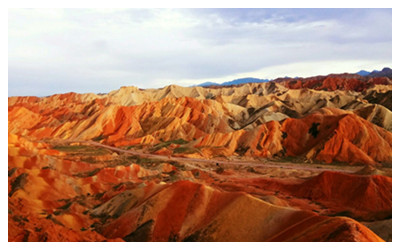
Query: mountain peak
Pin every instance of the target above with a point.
(385, 72)
(363, 73)
(234, 82)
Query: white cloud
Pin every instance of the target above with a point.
(99, 50)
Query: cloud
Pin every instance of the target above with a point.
(97, 50)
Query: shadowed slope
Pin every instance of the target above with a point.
(366, 197)
(193, 212)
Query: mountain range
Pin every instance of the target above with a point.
(385, 72)
(290, 159)
(233, 82)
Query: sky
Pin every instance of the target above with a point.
(98, 50)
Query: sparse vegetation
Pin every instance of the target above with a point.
(99, 138)
(185, 150)
(89, 159)
(69, 148)
(81, 150)
(88, 173)
(167, 144)
(178, 165)
(138, 146)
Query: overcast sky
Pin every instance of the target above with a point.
(98, 50)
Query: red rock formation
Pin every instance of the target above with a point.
(185, 211)
(327, 137)
(362, 197)
(366, 197)
(60, 183)
(60, 195)
(343, 138)
(336, 82)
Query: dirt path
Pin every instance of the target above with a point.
(221, 162)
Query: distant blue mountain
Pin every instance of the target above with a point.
(234, 82)
(206, 84)
(387, 72)
(363, 73)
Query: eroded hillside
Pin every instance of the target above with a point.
(288, 160)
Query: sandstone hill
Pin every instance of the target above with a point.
(305, 159)
(260, 119)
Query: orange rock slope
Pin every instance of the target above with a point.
(132, 186)
(366, 198)
(117, 203)
(326, 135)
(186, 211)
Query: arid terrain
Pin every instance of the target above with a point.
(293, 159)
